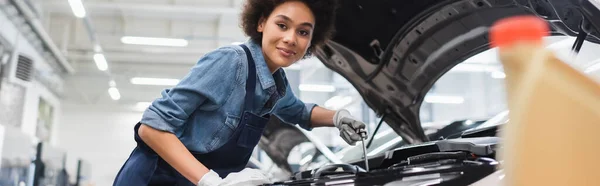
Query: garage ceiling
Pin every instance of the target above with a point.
(205, 24)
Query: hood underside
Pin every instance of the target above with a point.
(392, 52)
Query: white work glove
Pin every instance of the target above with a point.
(245, 177)
(348, 126)
(210, 179)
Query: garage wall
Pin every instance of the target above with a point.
(36, 92)
(99, 134)
(12, 95)
(19, 102)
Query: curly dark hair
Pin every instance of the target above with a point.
(323, 10)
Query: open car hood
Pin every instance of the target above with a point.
(392, 52)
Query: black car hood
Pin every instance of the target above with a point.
(392, 52)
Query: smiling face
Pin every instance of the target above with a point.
(287, 33)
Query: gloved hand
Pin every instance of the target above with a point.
(210, 179)
(245, 177)
(348, 126)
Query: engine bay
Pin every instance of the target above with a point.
(459, 161)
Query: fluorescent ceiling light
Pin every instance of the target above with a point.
(100, 62)
(114, 93)
(444, 99)
(112, 83)
(154, 41)
(77, 8)
(316, 88)
(154, 81)
(498, 75)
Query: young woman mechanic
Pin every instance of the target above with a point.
(206, 127)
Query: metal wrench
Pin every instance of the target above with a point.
(363, 136)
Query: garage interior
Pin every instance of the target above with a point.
(77, 76)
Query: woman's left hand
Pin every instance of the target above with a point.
(348, 126)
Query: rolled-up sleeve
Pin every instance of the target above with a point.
(207, 86)
(292, 110)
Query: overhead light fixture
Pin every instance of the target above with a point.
(154, 81)
(444, 99)
(114, 93)
(100, 62)
(154, 41)
(316, 88)
(77, 8)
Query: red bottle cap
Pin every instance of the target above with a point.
(507, 31)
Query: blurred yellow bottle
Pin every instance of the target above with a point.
(553, 136)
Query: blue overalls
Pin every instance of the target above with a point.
(145, 167)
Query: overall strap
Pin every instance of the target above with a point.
(250, 82)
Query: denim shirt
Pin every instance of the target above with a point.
(204, 109)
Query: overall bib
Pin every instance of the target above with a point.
(145, 167)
